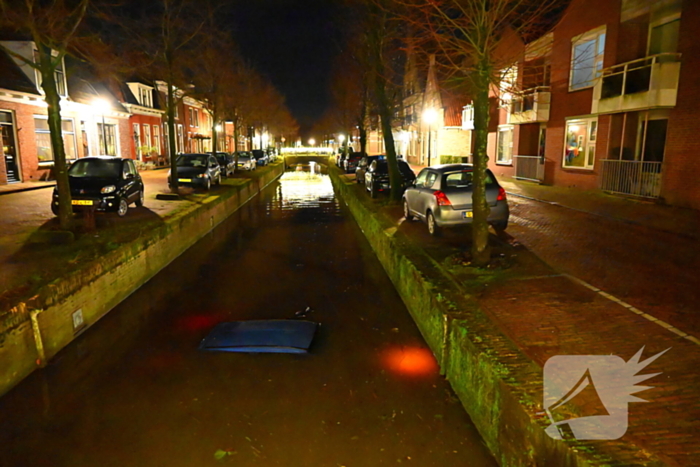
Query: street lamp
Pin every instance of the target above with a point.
(102, 106)
(430, 116)
(312, 142)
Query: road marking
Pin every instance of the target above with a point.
(637, 311)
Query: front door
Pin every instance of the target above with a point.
(9, 148)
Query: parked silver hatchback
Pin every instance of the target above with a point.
(441, 196)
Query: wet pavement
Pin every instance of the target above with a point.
(652, 269)
(135, 391)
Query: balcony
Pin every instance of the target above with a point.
(530, 106)
(647, 83)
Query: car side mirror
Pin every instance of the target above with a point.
(129, 176)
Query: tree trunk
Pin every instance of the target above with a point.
(171, 136)
(481, 252)
(385, 115)
(53, 101)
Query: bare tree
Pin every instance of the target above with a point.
(478, 41)
(53, 27)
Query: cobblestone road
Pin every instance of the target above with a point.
(655, 271)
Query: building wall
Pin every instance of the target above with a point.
(680, 185)
(582, 16)
(26, 143)
(453, 142)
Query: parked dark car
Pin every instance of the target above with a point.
(363, 164)
(377, 176)
(103, 183)
(198, 170)
(261, 156)
(442, 197)
(350, 162)
(271, 154)
(227, 163)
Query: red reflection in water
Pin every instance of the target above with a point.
(414, 361)
(198, 322)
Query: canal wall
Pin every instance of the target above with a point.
(33, 332)
(498, 385)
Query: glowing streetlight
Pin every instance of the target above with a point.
(341, 138)
(312, 142)
(102, 106)
(430, 116)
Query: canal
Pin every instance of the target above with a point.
(134, 390)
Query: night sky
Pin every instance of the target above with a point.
(293, 43)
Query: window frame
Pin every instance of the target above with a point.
(64, 133)
(591, 137)
(501, 130)
(598, 58)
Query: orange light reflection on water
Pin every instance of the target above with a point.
(412, 361)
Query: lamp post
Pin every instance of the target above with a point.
(429, 117)
(102, 106)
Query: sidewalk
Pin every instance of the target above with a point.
(25, 186)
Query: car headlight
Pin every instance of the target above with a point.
(108, 189)
(202, 176)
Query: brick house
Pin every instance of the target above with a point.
(146, 121)
(612, 107)
(26, 149)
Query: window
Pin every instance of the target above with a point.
(145, 97)
(58, 74)
(44, 151)
(147, 135)
(468, 117)
(108, 139)
(586, 59)
(579, 148)
(505, 145)
(156, 138)
(137, 139)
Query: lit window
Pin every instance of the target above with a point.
(579, 147)
(505, 145)
(586, 59)
(42, 134)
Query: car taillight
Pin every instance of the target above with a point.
(501, 195)
(442, 199)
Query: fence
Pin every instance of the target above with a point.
(529, 168)
(634, 178)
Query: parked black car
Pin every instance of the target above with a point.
(198, 170)
(261, 157)
(350, 162)
(363, 165)
(227, 162)
(103, 183)
(377, 176)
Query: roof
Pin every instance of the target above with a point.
(13, 78)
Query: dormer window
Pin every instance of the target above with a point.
(145, 97)
(142, 93)
(59, 75)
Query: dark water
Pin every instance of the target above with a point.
(135, 391)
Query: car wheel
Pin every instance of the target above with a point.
(433, 228)
(373, 191)
(123, 207)
(500, 226)
(54, 209)
(139, 200)
(407, 212)
(218, 179)
(207, 184)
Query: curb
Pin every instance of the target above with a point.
(29, 188)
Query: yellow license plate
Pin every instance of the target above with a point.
(468, 214)
(184, 180)
(82, 202)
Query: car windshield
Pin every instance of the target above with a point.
(96, 168)
(197, 160)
